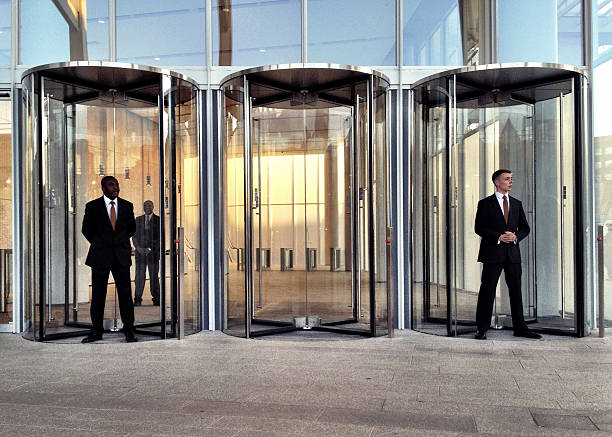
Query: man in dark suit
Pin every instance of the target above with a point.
(146, 242)
(108, 225)
(501, 224)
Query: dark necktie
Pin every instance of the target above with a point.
(113, 215)
(506, 209)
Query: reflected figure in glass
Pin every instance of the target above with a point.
(108, 225)
(146, 242)
(501, 224)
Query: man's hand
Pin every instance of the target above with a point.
(507, 237)
(141, 250)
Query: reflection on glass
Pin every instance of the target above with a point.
(161, 33)
(5, 32)
(380, 206)
(555, 25)
(353, 32)
(429, 302)
(78, 32)
(256, 32)
(6, 222)
(234, 209)
(536, 142)
(431, 32)
(188, 201)
(96, 135)
(602, 132)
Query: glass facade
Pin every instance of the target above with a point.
(160, 32)
(210, 36)
(431, 32)
(49, 33)
(540, 31)
(602, 141)
(352, 32)
(256, 32)
(6, 208)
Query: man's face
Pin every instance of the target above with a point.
(110, 188)
(147, 207)
(504, 182)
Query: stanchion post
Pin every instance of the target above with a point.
(600, 279)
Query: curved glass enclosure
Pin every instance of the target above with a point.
(467, 123)
(305, 207)
(81, 122)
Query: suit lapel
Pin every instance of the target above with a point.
(514, 210)
(498, 212)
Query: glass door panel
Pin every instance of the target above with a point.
(430, 208)
(554, 216)
(381, 215)
(234, 209)
(328, 214)
(188, 198)
(279, 228)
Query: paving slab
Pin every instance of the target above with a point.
(212, 384)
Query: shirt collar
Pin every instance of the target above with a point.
(500, 196)
(107, 201)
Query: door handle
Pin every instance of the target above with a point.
(256, 199)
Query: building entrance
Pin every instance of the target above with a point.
(84, 121)
(305, 201)
(469, 123)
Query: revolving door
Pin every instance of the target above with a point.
(305, 206)
(81, 122)
(468, 123)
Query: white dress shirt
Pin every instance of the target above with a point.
(108, 206)
(500, 200)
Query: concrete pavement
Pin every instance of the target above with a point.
(296, 384)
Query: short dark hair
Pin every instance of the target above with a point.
(498, 173)
(105, 178)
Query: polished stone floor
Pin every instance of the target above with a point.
(307, 383)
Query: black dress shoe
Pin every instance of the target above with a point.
(481, 335)
(527, 334)
(155, 303)
(130, 337)
(91, 338)
(137, 304)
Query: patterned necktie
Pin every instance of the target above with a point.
(113, 215)
(506, 209)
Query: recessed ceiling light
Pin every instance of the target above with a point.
(262, 50)
(156, 59)
(101, 21)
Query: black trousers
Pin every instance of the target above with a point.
(99, 281)
(144, 262)
(486, 295)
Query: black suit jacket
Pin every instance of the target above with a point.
(141, 239)
(106, 244)
(490, 224)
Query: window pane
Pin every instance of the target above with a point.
(555, 25)
(602, 131)
(431, 32)
(47, 36)
(5, 32)
(256, 32)
(6, 223)
(156, 32)
(354, 32)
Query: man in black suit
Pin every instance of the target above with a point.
(108, 225)
(146, 242)
(501, 224)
